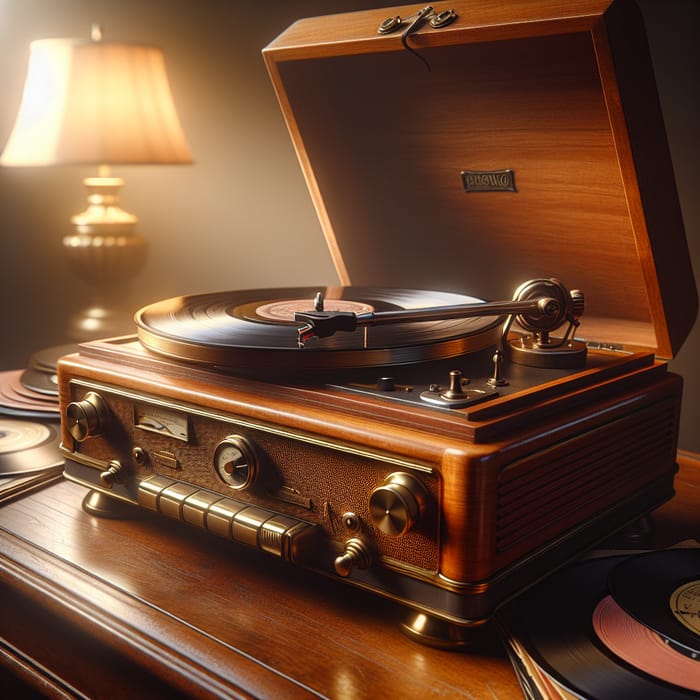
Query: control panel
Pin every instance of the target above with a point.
(290, 494)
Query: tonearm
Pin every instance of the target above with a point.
(539, 306)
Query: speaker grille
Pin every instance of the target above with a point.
(553, 489)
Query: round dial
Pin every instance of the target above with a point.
(86, 418)
(235, 462)
(395, 506)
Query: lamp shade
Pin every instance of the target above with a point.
(88, 102)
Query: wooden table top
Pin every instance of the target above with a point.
(149, 607)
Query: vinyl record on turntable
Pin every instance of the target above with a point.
(27, 446)
(256, 328)
(564, 626)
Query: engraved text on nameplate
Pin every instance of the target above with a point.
(488, 180)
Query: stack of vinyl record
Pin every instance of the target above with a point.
(29, 416)
(612, 627)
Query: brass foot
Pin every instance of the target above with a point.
(98, 504)
(440, 633)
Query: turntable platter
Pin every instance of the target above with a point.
(256, 329)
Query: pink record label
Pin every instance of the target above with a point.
(284, 309)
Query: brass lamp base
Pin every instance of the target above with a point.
(105, 252)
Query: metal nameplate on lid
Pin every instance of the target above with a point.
(488, 180)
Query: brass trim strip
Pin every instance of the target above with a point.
(226, 418)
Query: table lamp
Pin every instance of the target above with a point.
(89, 102)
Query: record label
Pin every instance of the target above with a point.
(685, 605)
(284, 309)
(644, 587)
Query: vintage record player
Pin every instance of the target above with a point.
(436, 449)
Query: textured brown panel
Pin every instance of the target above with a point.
(313, 482)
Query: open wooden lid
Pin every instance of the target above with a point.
(560, 94)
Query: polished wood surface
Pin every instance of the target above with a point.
(145, 607)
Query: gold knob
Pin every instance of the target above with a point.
(396, 505)
(86, 418)
(355, 555)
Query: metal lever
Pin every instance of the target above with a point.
(414, 26)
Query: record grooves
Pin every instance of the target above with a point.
(22, 401)
(27, 447)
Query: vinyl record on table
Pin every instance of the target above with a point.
(18, 401)
(256, 329)
(40, 381)
(27, 446)
(13, 387)
(46, 359)
(661, 590)
(641, 647)
(553, 623)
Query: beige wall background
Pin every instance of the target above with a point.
(240, 216)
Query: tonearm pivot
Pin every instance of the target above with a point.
(538, 348)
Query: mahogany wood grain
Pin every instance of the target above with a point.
(562, 93)
(147, 608)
